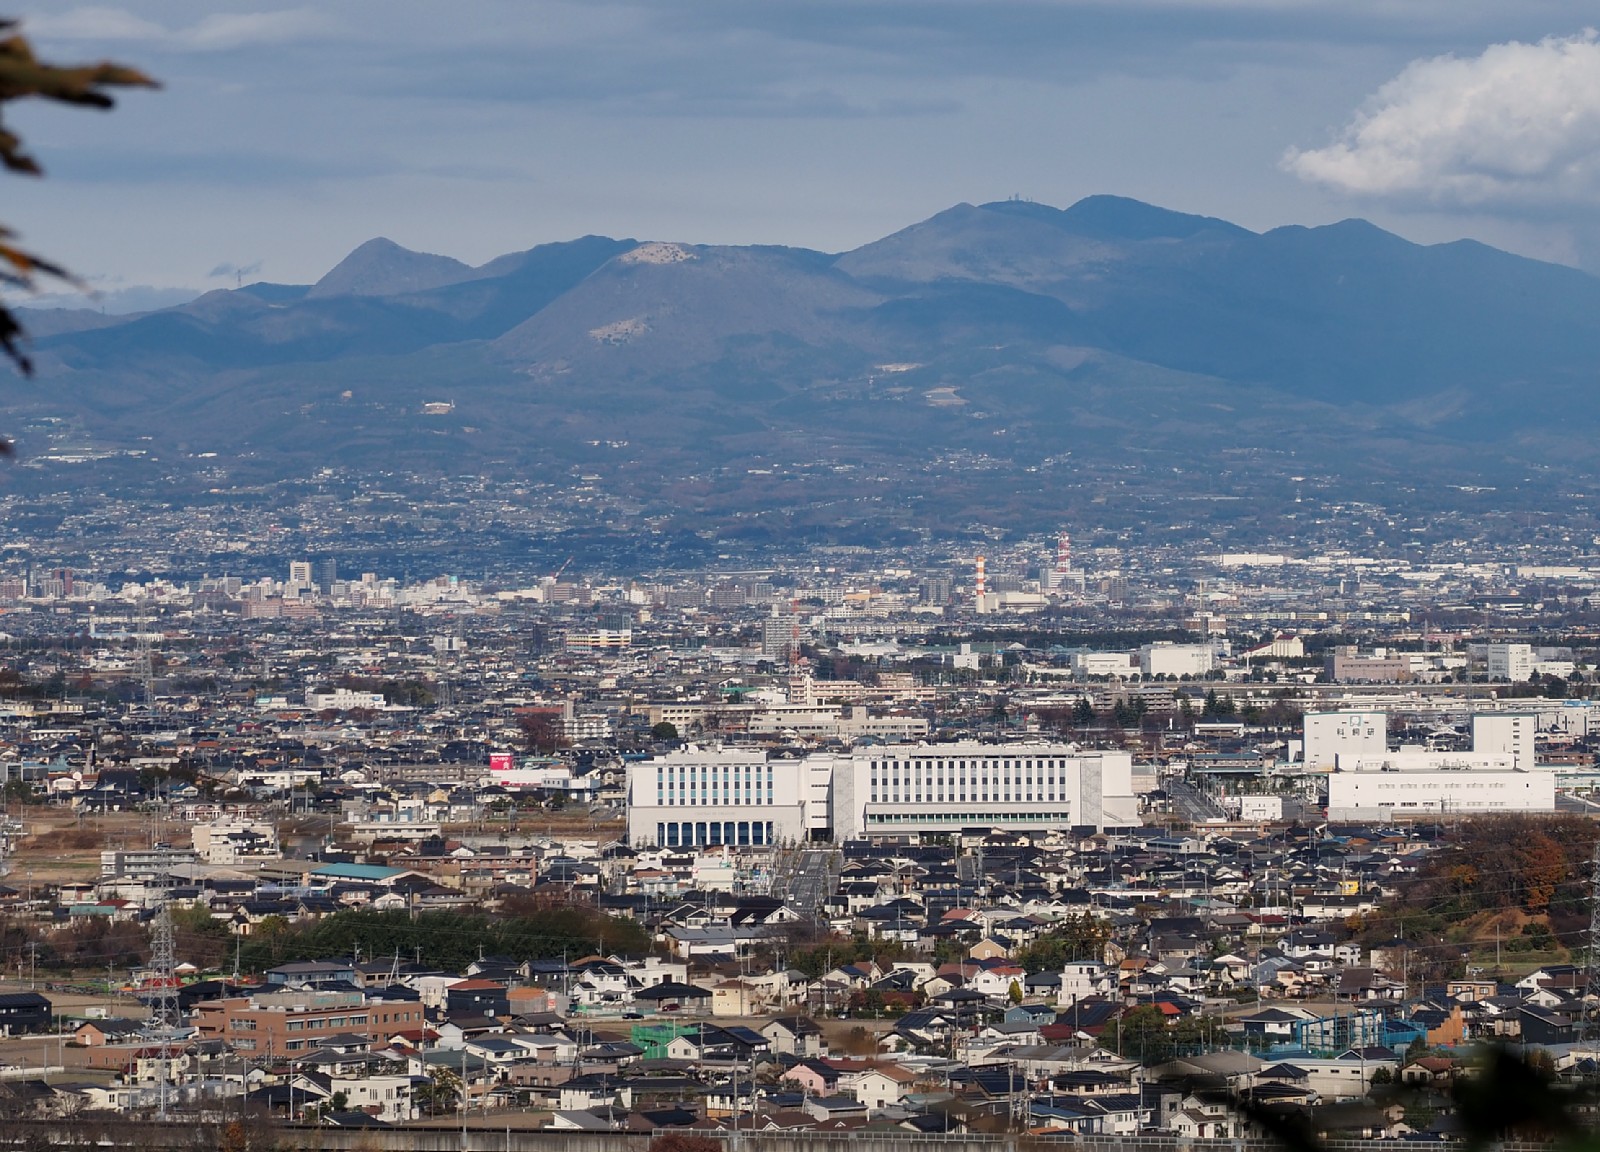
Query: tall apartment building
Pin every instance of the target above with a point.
(780, 633)
(325, 573)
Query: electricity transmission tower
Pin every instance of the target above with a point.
(165, 1022)
(1590, 1004)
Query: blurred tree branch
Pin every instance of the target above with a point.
(23, 75)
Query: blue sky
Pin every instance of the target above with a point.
(285, 135)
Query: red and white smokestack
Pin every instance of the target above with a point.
(979, 584)
(1064, 553)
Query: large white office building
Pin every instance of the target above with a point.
(1368, 781)
(1513, 662)
(1330, 734)
(707, 796)
(1443, 783)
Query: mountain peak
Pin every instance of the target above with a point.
(1126, 219)
(380, 267)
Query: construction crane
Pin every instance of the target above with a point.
(561, 569)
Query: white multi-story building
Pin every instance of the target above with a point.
(1165, 658)
(1513, 662)
(1506, 732)
(897, 790)
(851, 724)
(733, 796)
(343, 700)
(1260, 809)
(230, 840)
(697, 796)
(1331, 734)
(1415, 783)
(1103, 664)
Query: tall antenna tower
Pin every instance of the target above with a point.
(145, 665)
(1591, 991)
(166, 1014)
(164, 1010)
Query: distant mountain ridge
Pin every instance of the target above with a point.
(1012, 330)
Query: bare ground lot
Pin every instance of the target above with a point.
(60, 846)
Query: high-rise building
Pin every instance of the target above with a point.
(300, 573)
(324, 573)
(780, 634)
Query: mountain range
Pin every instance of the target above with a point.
(1009, 335)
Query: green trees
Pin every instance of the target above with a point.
(1497, 870)
(19, 791)
(1146, 1035)
(1080, 937)
(439, 1093)
(448, 939)
(201, 939)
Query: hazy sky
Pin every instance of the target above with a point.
(286, 135)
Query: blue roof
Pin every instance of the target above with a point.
(358, 871)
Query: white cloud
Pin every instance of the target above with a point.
(1518, 125)
(224, 31)
(212, 33)
(94, 24)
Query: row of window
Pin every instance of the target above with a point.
(968, 818)
(1455, 785)
(1001, 765)
(302, 1024)
(892, 794)
(694, 834)
(939, 781)
(714, 784)
(327, 1022)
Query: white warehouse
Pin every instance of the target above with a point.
(1417, 783)
(703, 796)
(1370, 782)
(1164, 658)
